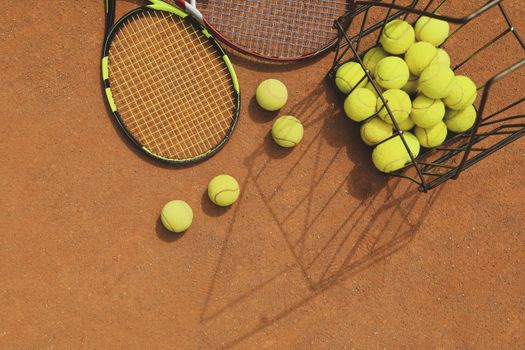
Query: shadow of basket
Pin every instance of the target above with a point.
(317, 216)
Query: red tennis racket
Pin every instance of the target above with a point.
(280, 30)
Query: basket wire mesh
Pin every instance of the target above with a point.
(499, 121)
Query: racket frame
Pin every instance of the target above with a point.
(191, 8)
(110, 32)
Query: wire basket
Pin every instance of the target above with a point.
(497, 61)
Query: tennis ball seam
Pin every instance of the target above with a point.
(166, 222)
(280, 139)
(422, 81)
(458, 103)
(294, 125)
(461, 100)
(426, 136)
(270, 92)
(341, 80)
(363, 102)
(419, 107)
(424, 29)
(396, 70)
(388, 80)
(415, 56)
(222, 191)
(392, 162)
(400, 36)
(426, 142)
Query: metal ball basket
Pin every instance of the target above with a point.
(496, 64)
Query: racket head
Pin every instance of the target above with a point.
(170, 86)
(275, 30)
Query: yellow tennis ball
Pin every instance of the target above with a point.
(397, 36)
(223, 190)
(360, 104)
(419, 56)
(462, 94)
(426, 111)
(399, 103)
(372, 58)
(431, 30)
(460, 121)
(432, 137)
(413, 144)
(349, 76)
(389, 156)
(436, 81)
(412, 85)
(271, 95)
(375, 130)
(392, 73)
(287, 131)
(176, 216)
(442, 58)
(407, 124)
(370, 87)
(392, 154)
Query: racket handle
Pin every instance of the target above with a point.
(190, 8)
(110, 14)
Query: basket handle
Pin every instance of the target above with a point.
(457, 20)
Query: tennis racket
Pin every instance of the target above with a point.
(280, 30)
(169, 84)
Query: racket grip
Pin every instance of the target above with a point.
(110, 15)
(190, 8)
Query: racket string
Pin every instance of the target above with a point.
(160, 84)
(201, 109)
(129, 83)
(285, 29)
(204, 125)
(164, 99)
(152, 128)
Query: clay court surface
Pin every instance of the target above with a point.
(320, 252)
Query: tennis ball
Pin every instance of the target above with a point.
(419, 56)
(392, 73)
(462, 94)
(460, 121)
(370, 87)
(176, 216)
(442, 58)
(360, 104)
(431, 137)
(427, 112)
(392, 154)
(411, 85)
(407, 124)
(223, 190)
(399, 103)
(413, 144)
(436, 81)
(397, 36)
(431, 30)
(271, 95)
(349, 76)
(287, 131)
(375, 131)
(372, 57)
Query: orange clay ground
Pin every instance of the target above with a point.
(320, 252)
